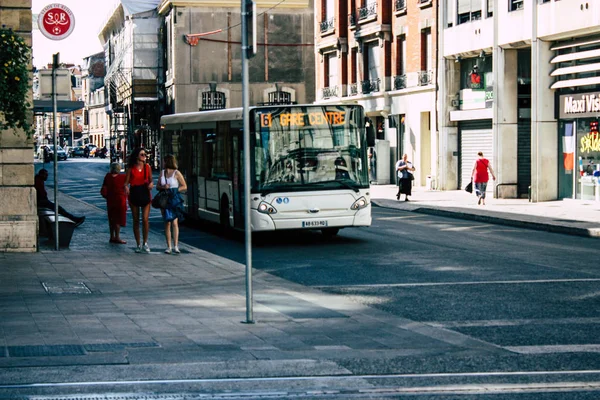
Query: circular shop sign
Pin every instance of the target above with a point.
(56, 21)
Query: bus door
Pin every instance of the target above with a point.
(187, 166)
(237, 142)
(192, 174)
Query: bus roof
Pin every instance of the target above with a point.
(229, 114)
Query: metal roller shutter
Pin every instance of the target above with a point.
(524, 157)
(475, 136)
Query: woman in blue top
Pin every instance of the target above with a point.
(172, 180)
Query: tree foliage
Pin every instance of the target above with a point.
(14, 81)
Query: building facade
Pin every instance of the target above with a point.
(530, 105)
(134, 78)
(18, 214)
(96, 126)
(382, 55)
(203, 57)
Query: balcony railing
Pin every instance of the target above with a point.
(353, 88)
(370, 86)
(400, 5)
(327, 25)
(399, 82)
(328, 92)
(351, 20)
(368, 11)
(425, 78)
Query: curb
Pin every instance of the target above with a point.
(540, 226)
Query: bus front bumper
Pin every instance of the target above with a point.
(264, 222)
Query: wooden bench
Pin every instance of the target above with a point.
(65, 229)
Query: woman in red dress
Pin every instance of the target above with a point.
(113, 189)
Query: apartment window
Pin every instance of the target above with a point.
(401, 55)
(400, 78)
(514, 5)
(280, 97)
(328, 15)
(426, 50)
(468, 10)
(490, 8)
(333, 70)
(372, 61)
(213, 100)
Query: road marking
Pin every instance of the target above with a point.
(513, 322)
(490, 374)
(551, 349)
(466, 228)
(418, 284)
(394, 218)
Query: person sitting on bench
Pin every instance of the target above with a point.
(42, 198)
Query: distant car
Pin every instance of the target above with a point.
(61, 154)
(77, 151)
(91, 149)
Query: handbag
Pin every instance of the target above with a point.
(469, 187)
(161, 200)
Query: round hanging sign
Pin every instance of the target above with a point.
(56, 21)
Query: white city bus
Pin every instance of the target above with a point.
(309, 166)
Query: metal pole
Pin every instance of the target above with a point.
(55, 58)
(247, 222)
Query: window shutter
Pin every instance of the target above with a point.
(464, 6)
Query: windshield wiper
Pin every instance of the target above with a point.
(347, 185)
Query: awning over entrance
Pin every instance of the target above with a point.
(63, 106)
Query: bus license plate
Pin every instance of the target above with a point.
(314, 224)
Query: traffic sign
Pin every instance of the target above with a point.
(56, 21)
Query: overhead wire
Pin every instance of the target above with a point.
(194, 38)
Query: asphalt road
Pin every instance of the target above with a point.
(534, 293)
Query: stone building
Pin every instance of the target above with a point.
(18, 214)
(382, 55)
(203, 57)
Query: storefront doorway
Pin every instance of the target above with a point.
(579, 173)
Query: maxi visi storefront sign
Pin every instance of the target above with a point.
(579, 105)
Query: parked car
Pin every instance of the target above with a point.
(91, 149)
(61, 154)
(77, 151)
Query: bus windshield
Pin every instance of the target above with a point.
(309, 148)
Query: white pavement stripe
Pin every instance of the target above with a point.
(551, 349)
(395, 218)
(545, 374)
(387, 285)
(466, 228)
(513, 322)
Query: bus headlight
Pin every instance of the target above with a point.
(266, 208)
(360, 203)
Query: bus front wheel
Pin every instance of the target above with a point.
(330, 232)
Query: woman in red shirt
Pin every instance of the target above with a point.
(480, 177)
(138, 183)
(116, 204)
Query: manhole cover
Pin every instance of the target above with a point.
(66, 288)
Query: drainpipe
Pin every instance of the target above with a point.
(496, 54)
(440, 100)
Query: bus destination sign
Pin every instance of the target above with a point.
(298, 119)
